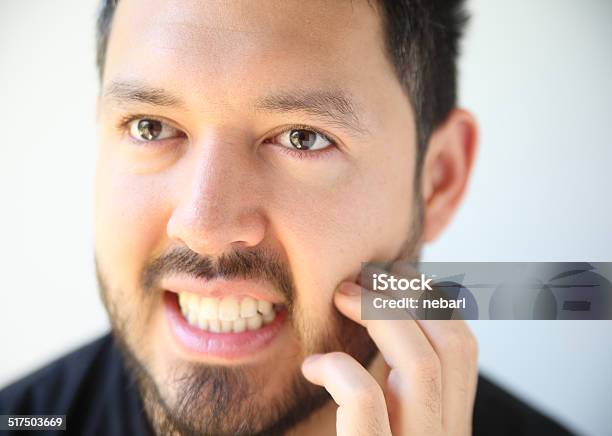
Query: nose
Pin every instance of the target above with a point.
(219, 209)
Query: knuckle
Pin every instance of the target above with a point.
(460, 343)
(472, 346)
(427, 365)
(368, 395)
(453, 342)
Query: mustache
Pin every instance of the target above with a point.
(258, 264)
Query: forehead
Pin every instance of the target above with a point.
(246, 42)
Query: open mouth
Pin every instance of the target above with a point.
(232, 327)
(227, 314)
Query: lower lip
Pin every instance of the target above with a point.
(224, 345)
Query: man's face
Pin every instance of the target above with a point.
(247, 151)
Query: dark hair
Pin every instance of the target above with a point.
(422, 42)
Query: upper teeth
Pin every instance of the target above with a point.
(227, 314)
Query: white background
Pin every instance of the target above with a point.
(538, 75)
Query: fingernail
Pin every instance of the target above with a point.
(349, 289)
(311, 359)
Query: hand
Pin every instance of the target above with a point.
(431, 376)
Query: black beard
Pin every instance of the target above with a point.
(219, 400)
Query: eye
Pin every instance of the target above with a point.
(303, 139)
(150, 129)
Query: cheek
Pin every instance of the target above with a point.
(130, 222)
(329, 227)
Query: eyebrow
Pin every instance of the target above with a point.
(133, 92)
(333, 105)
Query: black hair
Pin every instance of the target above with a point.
(422, 43)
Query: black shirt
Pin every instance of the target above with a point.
(93, 389)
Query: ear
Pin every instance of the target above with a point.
(446, 170)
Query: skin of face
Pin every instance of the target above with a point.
(225, 181)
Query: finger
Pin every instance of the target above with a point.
(362, 409)
(408, 352)
(456, 347)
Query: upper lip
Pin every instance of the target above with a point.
(219, 288)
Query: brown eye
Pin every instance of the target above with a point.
(148, 129)
(303, 139)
